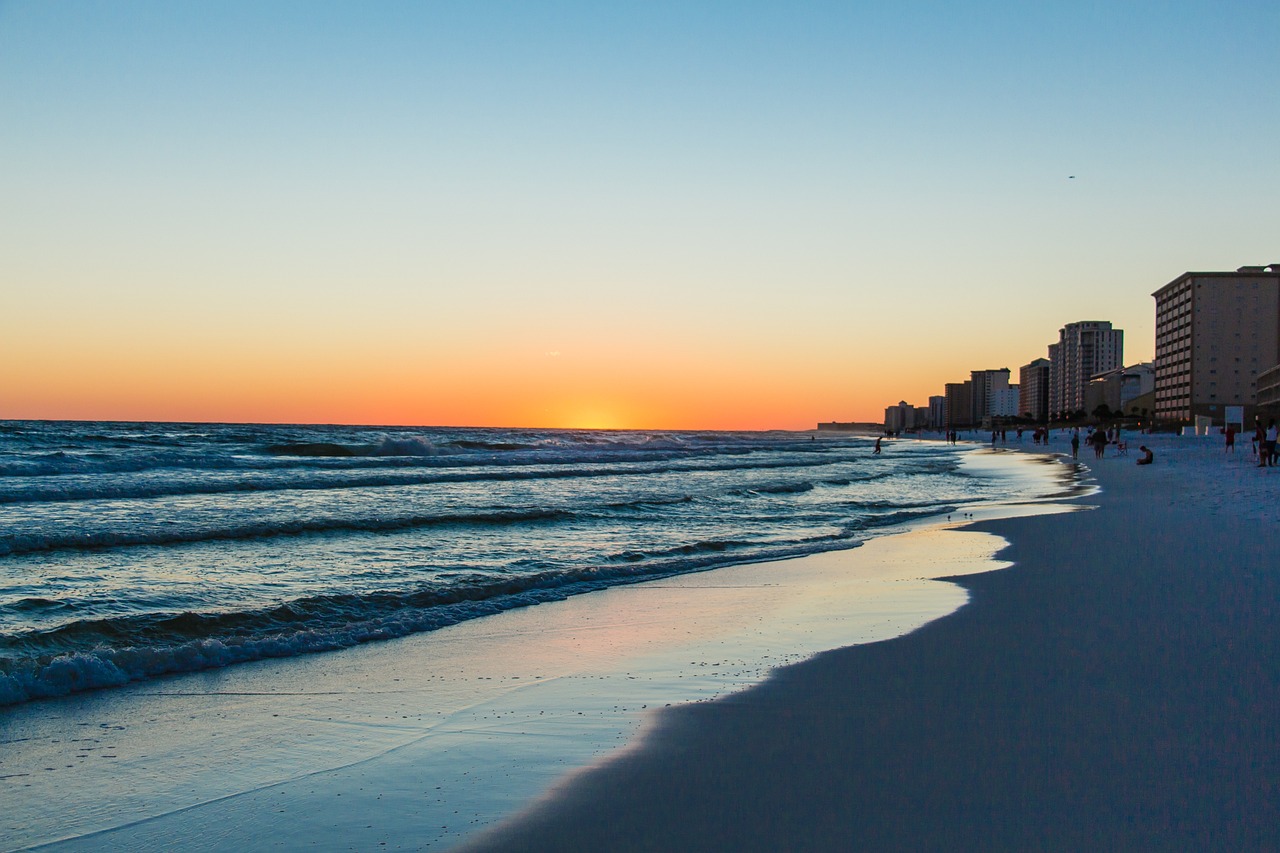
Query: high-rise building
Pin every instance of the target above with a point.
(1033, 388)
(959, 404)
(938, 411)
(987, 386)
(1055, 383)
(1084, 349)
(1215, 332)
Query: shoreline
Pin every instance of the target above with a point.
(494, 722)
(1116, 691)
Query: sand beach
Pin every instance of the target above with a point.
(1115, 690)
(1109, 684)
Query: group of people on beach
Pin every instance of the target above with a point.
(1098, 439)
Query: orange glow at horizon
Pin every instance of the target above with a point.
(544, 372)
(250, 388)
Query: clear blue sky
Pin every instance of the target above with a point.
(674, 214)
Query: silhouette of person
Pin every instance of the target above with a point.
(1099, 442)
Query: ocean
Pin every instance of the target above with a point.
(130, 551)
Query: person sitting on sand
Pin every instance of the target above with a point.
(1147, 456)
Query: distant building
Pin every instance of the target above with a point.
(1033, 390)
(1123, 391)
(1118, 389)
(1004, 402)
(1055, 388)
(847, 426)
(938, 411)
(1216, 332)
(987, 386)
(1136, 382)
(1084, 349)
(959, 397)
(900, 418)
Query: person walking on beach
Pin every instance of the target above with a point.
(1231, 439)
(1075, 444)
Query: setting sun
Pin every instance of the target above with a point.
(593, 416)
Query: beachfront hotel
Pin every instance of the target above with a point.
(1216, 333)
(959, 396)
(1033, 388)
(1083, 350)
(938, 411)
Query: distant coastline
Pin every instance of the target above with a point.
(850, 426)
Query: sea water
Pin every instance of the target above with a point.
(133, 550)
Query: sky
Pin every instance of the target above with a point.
(718, 215)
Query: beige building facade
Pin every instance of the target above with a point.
(1215, 333)
(1084, 349)
(1033, 387)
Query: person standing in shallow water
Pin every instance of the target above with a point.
(877, 450)
(1075, 444)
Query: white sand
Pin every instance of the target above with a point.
(1117, 690)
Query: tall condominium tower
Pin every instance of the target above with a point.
(959, 404)
(1083, 349)
(987, 386)
(1033, 387)
(1215, 332)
